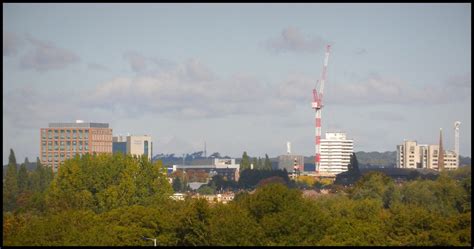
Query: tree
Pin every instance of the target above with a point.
(23, 176)
(10, 185)
(353, 166)
(268, 164)
(177, 184)
(245, 163)
(255, 163)
(260, 163)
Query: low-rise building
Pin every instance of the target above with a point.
(134, 145)
(220, 166)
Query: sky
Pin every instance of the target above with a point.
(238, 77)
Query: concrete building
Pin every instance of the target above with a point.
(336, 151)
(134, 145)
(410, 155)
(289, 160)
(61, 141)
(221, 166)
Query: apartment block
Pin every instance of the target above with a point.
(61, 141)
(412, 155)
(336, 151)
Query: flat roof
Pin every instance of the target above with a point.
(78, 125)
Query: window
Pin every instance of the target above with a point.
(56, 136)
(50, 134)
(86, 134)
(55, 145)
(145, 148)
(50, 145)
(86, 146)
(43, 134)
(74, 146)
(80, 134)
(62, 134)
(74, 134)
(80, 145)
(68, 145)
(68, 134)
(61, 147)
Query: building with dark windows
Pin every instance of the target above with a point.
(61, 141)
(134, 145)
(220, 166)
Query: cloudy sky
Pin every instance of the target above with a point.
(238, 76)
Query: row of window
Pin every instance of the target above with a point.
(66, 145)
(65, 134)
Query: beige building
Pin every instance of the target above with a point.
(134, 145)
(411, 155)
(62, 141)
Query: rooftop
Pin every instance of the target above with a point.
(78, 124)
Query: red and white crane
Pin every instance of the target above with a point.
(317, 104)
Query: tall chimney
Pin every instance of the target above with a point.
(441, 151)
(288, 147)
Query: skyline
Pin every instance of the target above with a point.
(238, 77)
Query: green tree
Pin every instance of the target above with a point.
(267, 164)
(23, 176)
(10, 185)
(177, 184)
(245, 163)
(255, 163)
(206, 190)
(260, 163)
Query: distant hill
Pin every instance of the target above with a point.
(374, 159)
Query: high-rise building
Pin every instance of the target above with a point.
(134, 145)
(61, 141)
(412, 155)
(336, 151)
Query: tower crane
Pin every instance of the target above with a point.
(317, 105)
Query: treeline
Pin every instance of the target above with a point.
(117, 200)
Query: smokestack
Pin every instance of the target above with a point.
(441, 151)
(288, 147)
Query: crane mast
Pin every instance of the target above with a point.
(317, 104)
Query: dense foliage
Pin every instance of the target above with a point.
(117, 200)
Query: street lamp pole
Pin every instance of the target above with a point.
(154, 240)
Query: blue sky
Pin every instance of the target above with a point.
(238, 76)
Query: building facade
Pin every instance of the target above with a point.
(410, 155)
(134, 145)
(221, 166)
(61, 141)
(336, 151)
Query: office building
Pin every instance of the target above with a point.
(61, 141)
(336, 151)
(134, 145)
(220, 166)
